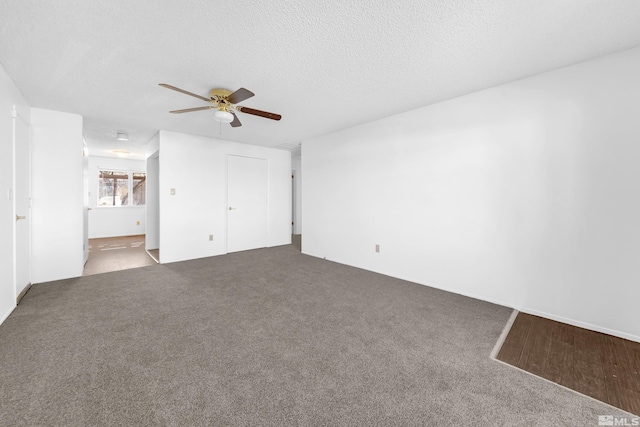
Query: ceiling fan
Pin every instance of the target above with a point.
(224, 102)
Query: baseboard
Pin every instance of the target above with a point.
(23, 293)
(496, 301)
(538, 313)
(579, 324)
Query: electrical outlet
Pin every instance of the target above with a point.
(377, 248)
(211, 237)
(173, 191)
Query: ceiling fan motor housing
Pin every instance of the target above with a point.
(217, 94)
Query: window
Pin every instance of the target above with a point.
(115, 188)
(139, 187)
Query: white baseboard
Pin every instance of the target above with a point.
(503, 303)
(579, 324)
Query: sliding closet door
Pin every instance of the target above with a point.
(247, 203)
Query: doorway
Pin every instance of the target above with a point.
(117, 194)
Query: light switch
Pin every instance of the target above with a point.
(173, 191)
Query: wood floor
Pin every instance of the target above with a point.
(115, 254)
(604, 367)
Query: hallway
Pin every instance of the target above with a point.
(116, 253)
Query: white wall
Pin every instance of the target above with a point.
(9, 96)
(296, 164)
(152, 208)
(527, 194)
(152, 146)
(196, 167)
(57, 226)
(86, 189)
(113, 221)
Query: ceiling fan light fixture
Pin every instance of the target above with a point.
(122, 136)
(223, 116)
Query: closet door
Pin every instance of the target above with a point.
(22, 203)
(246, 203)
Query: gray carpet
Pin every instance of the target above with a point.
(265, 337)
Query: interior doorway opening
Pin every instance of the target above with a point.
(118, 195)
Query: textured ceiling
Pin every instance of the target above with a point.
(323, 65)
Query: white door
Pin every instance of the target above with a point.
(246, 203)
(22, 203)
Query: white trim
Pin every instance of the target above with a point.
(579, 324)
(503, 303)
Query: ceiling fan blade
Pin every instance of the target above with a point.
(265, 114)
(177, 89)
(188, 110)
(240, 95)
(235, 123)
